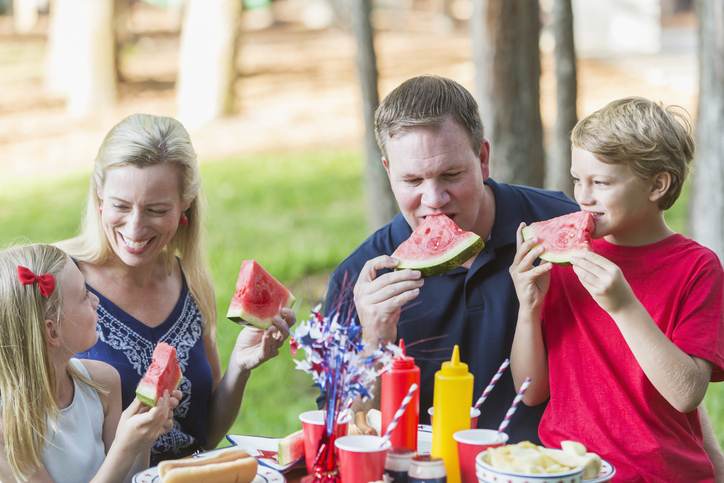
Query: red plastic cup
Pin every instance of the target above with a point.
(474, 415)
(313, 430)
(471, 442)
(361, 458)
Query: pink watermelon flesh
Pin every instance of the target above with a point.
(258, 297)
(291, 448)
(164, 374)
(563, 235)
(436, 246)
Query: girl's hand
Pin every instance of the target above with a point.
(603, 280)
(140, 426)
(255, 346)
(531, 282)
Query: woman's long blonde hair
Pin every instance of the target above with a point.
(27, 378)
(143, 140)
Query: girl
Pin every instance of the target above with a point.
(60, 417)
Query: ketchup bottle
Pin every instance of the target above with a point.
(395, 384)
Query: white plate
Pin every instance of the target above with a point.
(606, 473)
(263, 449)
(264, 474)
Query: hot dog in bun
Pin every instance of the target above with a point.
(231, 466)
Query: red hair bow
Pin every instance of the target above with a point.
(46, 282)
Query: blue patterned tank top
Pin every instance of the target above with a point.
(127, 344)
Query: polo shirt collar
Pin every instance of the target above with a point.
(508, 215)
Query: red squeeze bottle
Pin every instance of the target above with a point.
(395, 384)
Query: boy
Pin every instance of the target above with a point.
(632, 331)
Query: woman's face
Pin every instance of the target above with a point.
(140, 211)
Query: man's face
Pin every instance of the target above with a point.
(434, 170)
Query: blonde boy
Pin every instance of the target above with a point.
(626, 339)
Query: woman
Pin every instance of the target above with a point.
(140, 251)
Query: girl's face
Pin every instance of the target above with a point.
(621, 202)
(78, 315)
(140, 211)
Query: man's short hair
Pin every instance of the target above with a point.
(427, 101)
(648, 136)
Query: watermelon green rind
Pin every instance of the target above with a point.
(467, 247)
(240, 316)
(553, 257)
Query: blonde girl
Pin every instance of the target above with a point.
(61, 417)
(141, 252)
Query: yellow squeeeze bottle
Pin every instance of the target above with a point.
(452, 398)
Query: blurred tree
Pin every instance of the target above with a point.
(707, 196)
(80, 63)
(207, 70)
(381, 205)
(559, 161)
(507, 66)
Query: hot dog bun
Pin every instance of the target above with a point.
(232, 466)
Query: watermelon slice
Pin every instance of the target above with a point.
(291, 448)
(436, 246)
(563, 235)
(258, 297)
(164, 374)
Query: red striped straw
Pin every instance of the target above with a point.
(492, 383)
(396, 418)
(343, 412)
(514, 406)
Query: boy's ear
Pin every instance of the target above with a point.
(52, 334)
(660, 184)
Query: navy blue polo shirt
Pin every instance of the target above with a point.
(475, 308)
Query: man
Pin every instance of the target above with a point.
(437, 161)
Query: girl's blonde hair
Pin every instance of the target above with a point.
(143, 140)
(27, 378)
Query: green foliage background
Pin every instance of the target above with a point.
(297, 214)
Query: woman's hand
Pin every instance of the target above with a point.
(255, 346)
(140, 425)
(531, 282)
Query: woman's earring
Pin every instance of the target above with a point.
(184, 220)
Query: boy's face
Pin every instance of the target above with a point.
(620, 201)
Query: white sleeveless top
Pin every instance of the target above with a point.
(74, 449)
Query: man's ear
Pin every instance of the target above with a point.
(485, 158)
(660, 184)
(52, 334)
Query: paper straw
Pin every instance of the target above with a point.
(492, 383)
(396, 418)
(347, 407)
(514, 406)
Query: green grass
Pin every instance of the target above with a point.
(298, 214)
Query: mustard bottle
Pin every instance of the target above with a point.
(452, 398)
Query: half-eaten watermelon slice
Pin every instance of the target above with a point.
(562, 236)
(258, 297)
(436, 246)
(164, 374)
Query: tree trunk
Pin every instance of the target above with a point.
(81, 64)
(25, 15)
(559, 162)
(507, 65)
(707, 196)
(381, 205)
(207, 71)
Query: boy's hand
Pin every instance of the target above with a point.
(531, 282)
(603, 280)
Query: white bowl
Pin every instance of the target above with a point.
(488, 474)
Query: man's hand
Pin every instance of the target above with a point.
(378, 300)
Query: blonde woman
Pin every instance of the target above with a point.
(140, 250)
(60, 418)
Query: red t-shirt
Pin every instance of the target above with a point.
(598, 393)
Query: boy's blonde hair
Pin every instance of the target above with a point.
(143, 140)
(427, 101)
(648, 136)
(27, 378)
